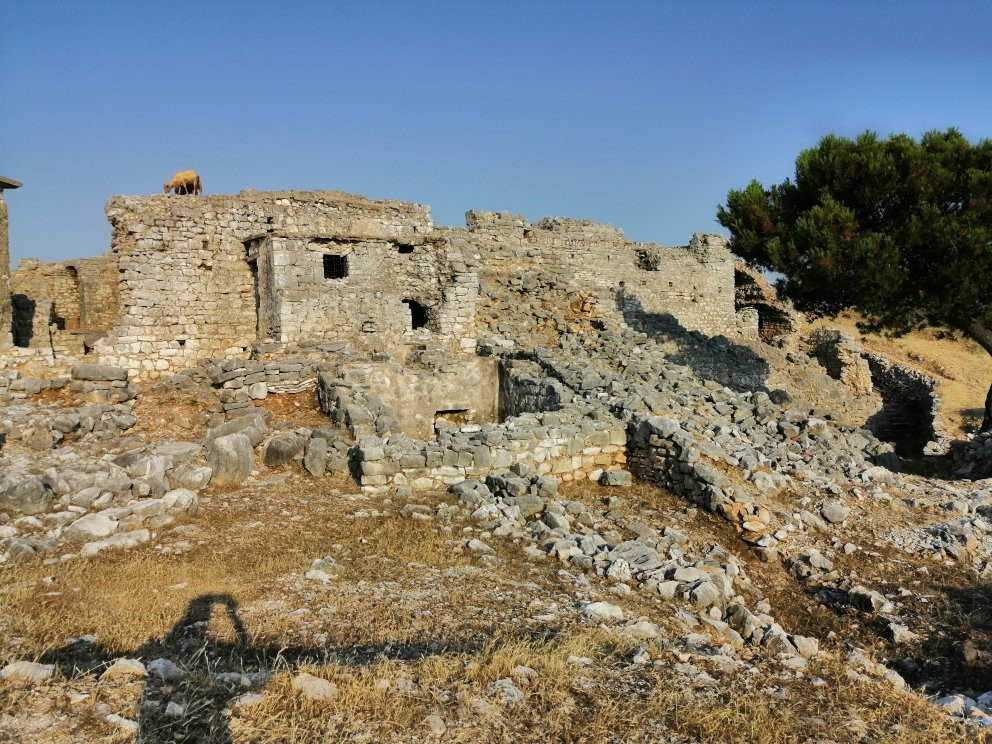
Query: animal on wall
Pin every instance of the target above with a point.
(184, 182)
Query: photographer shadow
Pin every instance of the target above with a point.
(193, 678)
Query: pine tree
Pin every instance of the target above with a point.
(897, 229)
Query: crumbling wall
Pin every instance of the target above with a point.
(99, 302)
(693, 284)
(56, 283)
(842, 357)
(758, 305)
(5, 303)
(82, 294)
(425, 398)
(383, 292)
(910, 414)
(187, 289)
(209, 277)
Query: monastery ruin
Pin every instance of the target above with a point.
(273, 349)
(270, 276)
(193, 278)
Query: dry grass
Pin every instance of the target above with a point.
(409, 606)
(125, 598)
(609, 701)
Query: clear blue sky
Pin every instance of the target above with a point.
(639, 114)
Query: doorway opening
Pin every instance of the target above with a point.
(418, 314)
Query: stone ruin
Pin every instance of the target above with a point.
(268, 276)
(490, 361)
(192, 279)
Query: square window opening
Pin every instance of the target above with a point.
(335, 267)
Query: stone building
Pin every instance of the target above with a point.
(78, 296)
(191, 278)
(5, 307)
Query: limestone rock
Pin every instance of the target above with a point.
(314, 688)
(281, 449)
(92, 525)
(124, 668)
(24, 494)
(834, 511)
(601, 611)
(27, 670)
(98, 373)
(120, 540)
(230, 458)
(315, 456)
(616, 478)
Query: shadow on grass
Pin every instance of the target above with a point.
(185, 699)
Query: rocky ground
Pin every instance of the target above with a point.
(193, 561)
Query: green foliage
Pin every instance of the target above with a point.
(898, 229)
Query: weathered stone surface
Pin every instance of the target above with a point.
(251, 425)
(834, 511)
(616, 478)
(24, 494)
(92, 525)
(281, 449)
(120, 540)
(314, 688)
(315, 456)
(601, 611)
(98, 372)
(27, 670)
(230, 458)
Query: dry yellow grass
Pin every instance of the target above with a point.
(395, 589)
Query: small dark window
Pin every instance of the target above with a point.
(418, 314)
(335, 267)
(404, 248)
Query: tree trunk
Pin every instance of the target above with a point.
(983, 337)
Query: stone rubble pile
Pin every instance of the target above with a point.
(526, 505)
(972, 458)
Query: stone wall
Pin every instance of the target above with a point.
(388, 293)
(194, 278)
(188, 290)
(566, 443)
(5, 308)
(766, 315)
(563, 445)
(426, 399)
(82, 292)
(57, 283)
(693, 284)
(910, 414)
(99, 303)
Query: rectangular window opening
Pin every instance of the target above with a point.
(335, 267)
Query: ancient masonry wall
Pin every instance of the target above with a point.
(695, 283)
(188, 289)
(5, 307)
(382, 287)
(568, 450)
(213, 277)
(57, 282)
(563, 443)
(758, 306)
(910, 414)
(424, 398)
(82, 293)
